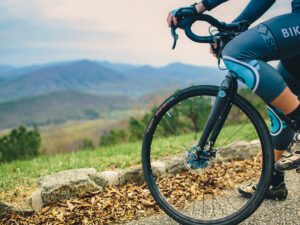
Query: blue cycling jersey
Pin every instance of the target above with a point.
(254, 10)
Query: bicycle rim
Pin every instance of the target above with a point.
(205, 192)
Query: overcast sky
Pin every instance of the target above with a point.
(128, 31)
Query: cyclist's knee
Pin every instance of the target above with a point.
(243, 67)
(233, 50)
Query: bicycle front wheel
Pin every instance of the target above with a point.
(206, 191)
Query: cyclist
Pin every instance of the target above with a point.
(246, 56)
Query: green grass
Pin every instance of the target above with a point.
(25, 173)
(176, 144)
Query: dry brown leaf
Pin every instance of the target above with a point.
(129, 201)
(70, 206)
(85, 220)
(44, 210)
(147, 203)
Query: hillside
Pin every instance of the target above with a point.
(59, 107)
(83, 75)
(5, 68)
(102, 78)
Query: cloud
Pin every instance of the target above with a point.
(132, 31)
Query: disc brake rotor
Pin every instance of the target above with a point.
(194, 163)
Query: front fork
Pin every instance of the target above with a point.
(219, 112)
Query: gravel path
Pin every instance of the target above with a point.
(270, 212)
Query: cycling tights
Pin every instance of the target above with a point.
(246, 56)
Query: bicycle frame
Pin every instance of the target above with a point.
(219, 112)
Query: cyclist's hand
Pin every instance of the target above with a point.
(179, 13)
(184, 11)
(215, 45)
(171, 19)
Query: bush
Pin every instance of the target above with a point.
(114, 137)
(91, 114)
(20, 144)
(137, 126)
(87, 144)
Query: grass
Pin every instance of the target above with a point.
(24, 173)
(177, 144)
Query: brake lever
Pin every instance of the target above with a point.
(174, 35)
(182, 23)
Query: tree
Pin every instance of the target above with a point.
(136, 129)
(87, 144)
(91, 114)
(114, 137)
(20, 144)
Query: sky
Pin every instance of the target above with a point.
(127, 31)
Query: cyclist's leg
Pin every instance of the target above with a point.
(247, 54)
(290, 72)
(282, 134)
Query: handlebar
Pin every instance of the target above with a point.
(187, 21)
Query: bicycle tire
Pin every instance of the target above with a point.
(266, 153)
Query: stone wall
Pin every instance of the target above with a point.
(79, 182)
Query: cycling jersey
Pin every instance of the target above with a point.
(254, 9)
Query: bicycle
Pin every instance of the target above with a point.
(203, 131)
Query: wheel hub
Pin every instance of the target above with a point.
(195, 161)
(198, 160)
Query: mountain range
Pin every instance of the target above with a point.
(58, 107)
(100, 77)
(86, 89)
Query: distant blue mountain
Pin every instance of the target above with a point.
(5, 68)
(120, 67)
(101, 77)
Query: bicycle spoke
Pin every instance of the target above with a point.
(233, 117)
(193, 208)
(234, 134)
(213, 207)
(235, 142)
(218, 203)
(192, 183)
(203, 197)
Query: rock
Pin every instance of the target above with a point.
(5, 209)
(134, 174)
(240, 150)
(98, 179)
(158, 168)
(36, 200)
(67, 184)
(65, 177)
(255, 145)
(112, 177)
(174, 164)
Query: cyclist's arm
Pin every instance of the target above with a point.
(254, 9)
